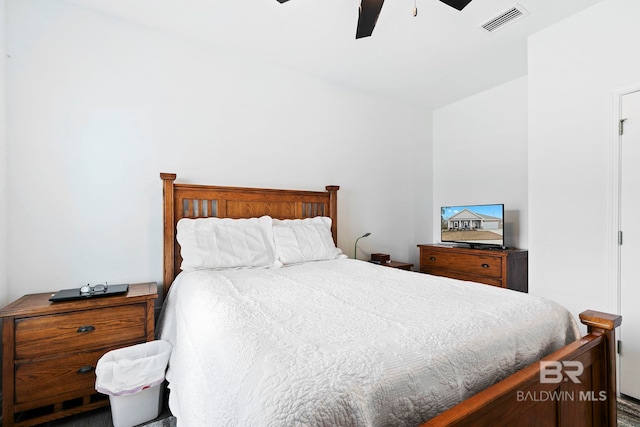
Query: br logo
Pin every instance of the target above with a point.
(554, 372)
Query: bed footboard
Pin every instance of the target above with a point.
(576, 385)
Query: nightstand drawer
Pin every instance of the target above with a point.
(487, 266)
(79, 331)
(72, 376)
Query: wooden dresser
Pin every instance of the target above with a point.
(50, 350)
(503, 268)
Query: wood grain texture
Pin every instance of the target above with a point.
(187, 201)
(522, 399)
(50, 350)
(502, 268)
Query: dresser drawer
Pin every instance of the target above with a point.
(79, 331)
(486, 266)
(493, 281)
(71, 376)
(506, 268)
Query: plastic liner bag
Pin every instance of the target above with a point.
(132, 369)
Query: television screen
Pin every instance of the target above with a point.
(474, 225)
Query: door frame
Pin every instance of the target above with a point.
(615, 161)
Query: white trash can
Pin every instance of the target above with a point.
(132, 378)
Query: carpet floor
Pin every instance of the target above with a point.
(628, 412)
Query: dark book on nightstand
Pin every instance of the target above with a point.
(75, 294)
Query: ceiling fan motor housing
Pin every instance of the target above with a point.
(456, 4)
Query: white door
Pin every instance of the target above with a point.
(630, 248)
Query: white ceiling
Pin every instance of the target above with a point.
(431, 60)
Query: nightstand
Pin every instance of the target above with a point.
(397, 264)
(50, 350)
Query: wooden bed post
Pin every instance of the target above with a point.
(605, 324)
(513, 401)
(203, 201)
(333, 210)
(169, 230)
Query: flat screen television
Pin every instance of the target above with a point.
(473, 225)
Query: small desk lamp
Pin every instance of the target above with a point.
(355, 247)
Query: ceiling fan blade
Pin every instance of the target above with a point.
(368, 16)
(456, 4)
(282, 1)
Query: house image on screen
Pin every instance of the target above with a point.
(467, 220)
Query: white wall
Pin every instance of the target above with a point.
(3, 157)
(98, 107)
(480, 155)
(575, 67)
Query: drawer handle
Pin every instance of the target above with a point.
(432, 258)
(485, 266)
(87, 328)
(86, 369)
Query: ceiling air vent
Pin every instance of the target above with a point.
(504, 18)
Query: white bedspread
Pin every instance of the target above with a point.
(344, 343)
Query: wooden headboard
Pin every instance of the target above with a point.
(200, 201)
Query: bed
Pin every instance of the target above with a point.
(309, 337)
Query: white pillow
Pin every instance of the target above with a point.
(226, 243)
(301, 240)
